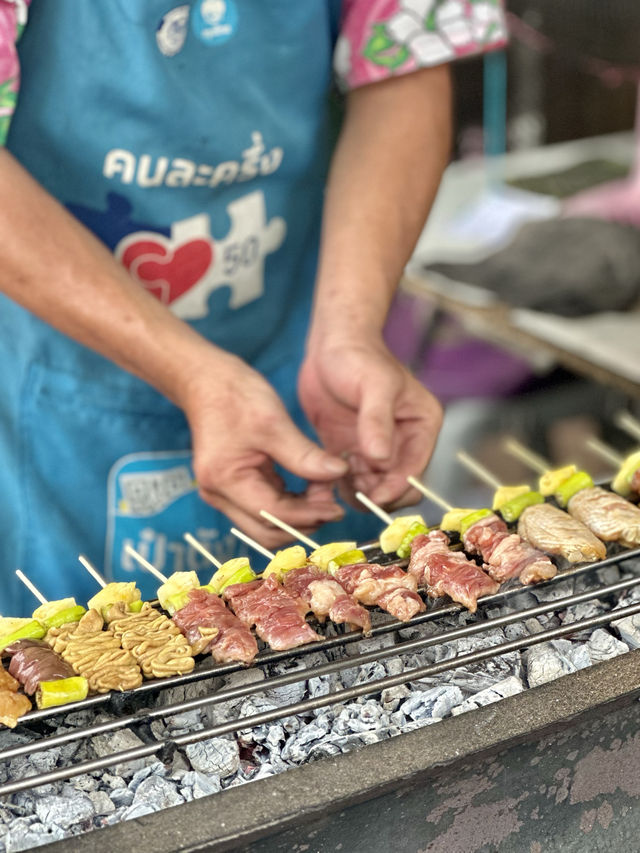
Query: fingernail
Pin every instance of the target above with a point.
(378, 449)
(334, 466)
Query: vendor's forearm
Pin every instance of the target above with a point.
(54, 267)
(393, 148)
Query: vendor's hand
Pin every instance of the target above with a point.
(240, 428)
(368, 408)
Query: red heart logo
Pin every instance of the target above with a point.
(168, 273)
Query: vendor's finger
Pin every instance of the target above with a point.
(288, 446)
(376, 419)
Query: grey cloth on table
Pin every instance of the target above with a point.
(570, 267)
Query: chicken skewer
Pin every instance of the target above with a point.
(627, 481)
(609, 516)
(322, 594)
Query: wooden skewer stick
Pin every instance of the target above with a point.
(479, 470)
(145, 564)
(628, 423)
(201, 549)
(375, 509)
(531, 459)
(288, 529)
(31, 587)
(92, 571)
(432, 496)
(252, 543)
(604, 451)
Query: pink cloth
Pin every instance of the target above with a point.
(381, 38)
(13, 16)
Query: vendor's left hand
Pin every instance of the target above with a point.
(366, 406)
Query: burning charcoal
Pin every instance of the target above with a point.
(394, 666)
(629, 630)
(108, 744)
(201, 785)
(370, 672)
(64, 811)
(575, 653)
(37, 762)
(323, 749)
(112, 781)
(320, 686)
(603, 645)
(553, 591)
(158, 729)
(140, 775)
(434, 703)
(393, 696)
(121, 797)
(324, 718)
(79, 718)
(138, 810)
(102, 803)
(509, 687)
(296, 750)
(545, 663)
(516, 631)
(187, 721)
(218, 756)
(157, 792)
(84, 783)
(265, 771)
(275, 736)
(608, 575)
(22, 835)
(371, 644)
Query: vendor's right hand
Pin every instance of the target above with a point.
(240, 428)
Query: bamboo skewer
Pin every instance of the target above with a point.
(531, 459)
(628, 423)
(604, 451)
(201, 549)
(145, 564)
(479, 470)
(31, 587)
(432, 496)
(288, 529)
(375, 509)
(252, 543)
(92, 571)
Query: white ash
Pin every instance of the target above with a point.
(509, 687)
(219, 756)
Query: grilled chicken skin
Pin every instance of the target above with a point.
(550, 529)
(608, 515)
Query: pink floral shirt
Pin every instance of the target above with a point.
(378, 38)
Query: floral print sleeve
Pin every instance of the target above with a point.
(13, 17)
(380, 38)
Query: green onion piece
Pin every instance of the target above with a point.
(576, 483)
(135, 606)
(404, 548)
(513, 509)
(61, 691)
(32, 631)
(349, 558)
(244, 574)
(207, 588)
(469, 520)
(64, 617)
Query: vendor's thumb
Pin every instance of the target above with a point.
(376, 421)
(301, 456)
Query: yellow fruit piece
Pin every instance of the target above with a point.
(550, 481)
(9, 624)
(451, 519)
(284, 561)
(112, 593)
(176, 583)
(394, 533)
(507, 493)
(46, 611)
(622, 481)
(227, 570)
(323, 555)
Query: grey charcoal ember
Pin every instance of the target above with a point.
(394, 666)
(121, 797)
(324, 718)
(431, 704)
(575, 653)
(266, 770)
(516, 631)
(251, 707)
(112, 781)
(158, 792)
(629, 630)
(413, 632)
(109, 744)
(64, 811)
(370, 672)
(509, 687)
(82, 783)
(584, 611)
(140, 775)
(296, 750)
(603, 645)
(371, 644)
(77, 719)
(319, 686)
(323, 749)
(102, 803)
(275, 736)
(158, 729)
(114, 818)
(393, 696)
(23, 836)
(138, 810)
(219, 756)
(188, 720)
(608, 575)
(40, 762)
(9, 738)
(480, 675)
(201, 785)
(545, 663)
(554, 591)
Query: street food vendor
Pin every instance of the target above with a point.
(195, 278)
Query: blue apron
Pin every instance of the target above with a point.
(194, 142)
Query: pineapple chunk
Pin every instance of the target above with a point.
(284, 561)
(451, 519)
(394, 533)
(507, 493)
(223, 576)
(46, 611)
(125, 591)
(323, 555)
(9, 624)
(550, 481)
(622, 481)
(176, 583)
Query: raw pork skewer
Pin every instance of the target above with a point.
(322, 594)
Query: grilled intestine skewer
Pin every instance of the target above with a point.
(388, 587)
(608, 515)
(323, 594)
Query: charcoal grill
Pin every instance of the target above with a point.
(391, 772)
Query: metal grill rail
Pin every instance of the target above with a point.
(166, 746)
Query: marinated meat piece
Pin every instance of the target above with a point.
(635, 482)
(210, 626)
(33, 661)
(7, 682)
(12, 706)
(446, 572)
(607, 514)
(546, 527)
(389, 587)
(505, 554)
(326, 597)
(278, 618)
